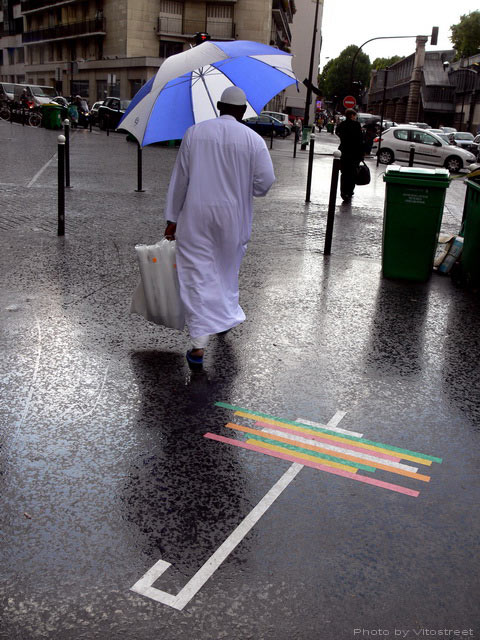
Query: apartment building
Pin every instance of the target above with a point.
(112, 47)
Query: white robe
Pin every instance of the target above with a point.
(220, 166)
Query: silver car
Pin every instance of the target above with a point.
(430, 148)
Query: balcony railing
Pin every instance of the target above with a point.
(35, 5)
(72, 30)
(282, 19)
(218, 30)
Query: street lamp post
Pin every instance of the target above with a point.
(433, 40)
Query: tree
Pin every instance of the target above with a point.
(334, 81)
(383, 63)
(466, 35)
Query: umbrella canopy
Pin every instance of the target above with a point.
(188, 85)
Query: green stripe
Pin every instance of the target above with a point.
(324, 456)
(330, 432)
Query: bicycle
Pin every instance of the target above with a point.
(35, 119)
(4, 112)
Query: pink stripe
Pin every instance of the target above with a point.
(344, 445)
(315, 465)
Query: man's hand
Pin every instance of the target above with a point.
(170, 230)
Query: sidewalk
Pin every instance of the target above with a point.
(105, 469)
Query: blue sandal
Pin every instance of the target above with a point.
(195, 362)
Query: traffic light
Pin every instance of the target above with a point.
(434, 38)
(200, 37)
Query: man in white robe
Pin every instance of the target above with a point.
(220, 166)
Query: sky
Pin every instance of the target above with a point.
(355, 21)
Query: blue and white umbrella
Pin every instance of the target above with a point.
(188, 86)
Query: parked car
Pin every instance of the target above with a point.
(263, 125)
(282, 117)
(429, 148)
(446, 138)
(439, 131)
(465, 140)
(420, 125)
(111, 111)
(448, 129)
(94, 111)
(387, 124)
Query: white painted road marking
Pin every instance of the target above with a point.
(144, 585)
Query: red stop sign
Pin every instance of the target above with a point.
(349, 102)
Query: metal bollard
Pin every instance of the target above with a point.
(61, 185)
(271, 137)
(139, 169)
(108, 123)
(66, 130)
(295, 143)
(90, 122)
(331, 202)
(411, 155)
(23, 116)
(310, 167)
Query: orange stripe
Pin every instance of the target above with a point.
(336, 454)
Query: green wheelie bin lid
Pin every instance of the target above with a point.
(435, 177)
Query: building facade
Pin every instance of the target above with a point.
(302, 39)
(428, 86)
(112, 47)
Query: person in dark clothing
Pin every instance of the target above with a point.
(352, 147)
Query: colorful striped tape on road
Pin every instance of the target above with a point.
(326, 448)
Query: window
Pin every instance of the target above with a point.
(11, 55)
(423, 138)
(59, 52)
(400, 134)
(220, 20)
(80, 88)
(168, 48)
(135, 85)
(170, 16)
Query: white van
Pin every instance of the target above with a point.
(283, 117)
(6, 90)
(35, 92)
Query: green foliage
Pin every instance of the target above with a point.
(466, 35)
(334, 81)
(383, 63)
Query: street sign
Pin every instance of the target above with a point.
(349, 102)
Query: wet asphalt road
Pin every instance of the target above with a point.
(104, 467)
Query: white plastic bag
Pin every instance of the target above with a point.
(157, 296)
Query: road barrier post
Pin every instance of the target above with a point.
(66, 128)
(332, 202)
(310, 167)
(61, 185)
(139, 169)
(411, 155)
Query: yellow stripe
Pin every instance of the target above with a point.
(350, 458)
(357, 443)
(302, 456)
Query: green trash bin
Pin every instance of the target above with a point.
(470, 259)
(52, 116)
(412, 217)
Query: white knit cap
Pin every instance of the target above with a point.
(234, 95)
